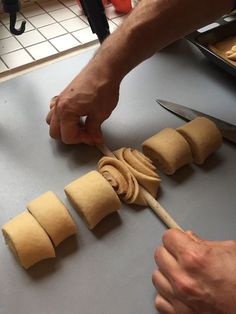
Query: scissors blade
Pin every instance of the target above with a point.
(228, 130)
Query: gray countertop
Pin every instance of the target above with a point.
(108, 271)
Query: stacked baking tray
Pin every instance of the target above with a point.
(203, 39)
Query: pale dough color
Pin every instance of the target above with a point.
(27, 239)
(224, 47)
(168, 150)
(53, 216)
(93, 197)
(203, 137)
(122, 180)
(141, 167)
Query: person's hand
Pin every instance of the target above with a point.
(195, 275)
(92, 95)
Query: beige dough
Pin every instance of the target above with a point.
(168, 150)
(226, 49)
(122, 180)
(141, 167)
(232, 56)
(93, 197)
(53, 216)
(27, 240)
(203, 137)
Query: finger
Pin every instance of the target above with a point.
(176, 241)
(162, 284)
(181, 308)
(49, 116)
(166, 262)
(54, 130)
(164, 306)
(53, 101)
(93, 127)
(73, 133)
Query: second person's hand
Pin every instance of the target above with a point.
(195, 275)
(77, 113)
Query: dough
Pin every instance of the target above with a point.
(226, 49)
(203, 137)
(93, 197)
(27, 240)
(122, 180)
(53, 216)
(168, 150)
(141, 167)
(232, 56)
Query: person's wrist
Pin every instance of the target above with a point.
(108, 68)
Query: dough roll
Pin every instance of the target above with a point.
(53, 216)
(27, 240)
(168, 150)
(203, 137)
(93, 198)
(141, 167)
(121, 179)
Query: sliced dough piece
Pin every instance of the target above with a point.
(53, 216)
(27, 240)
(232, 56)
(203, 137)
(141, 167)
(168, 150)
(93, 198)
(122, 180)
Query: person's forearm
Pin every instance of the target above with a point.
(153, 25)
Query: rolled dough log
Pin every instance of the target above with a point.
(53, 216)
(168, 150)
(27, 240)
(122, 180)
(203, 137)
(141, 167)
(93, 197)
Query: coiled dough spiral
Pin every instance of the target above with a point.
(125, 173)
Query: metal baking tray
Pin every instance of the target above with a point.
(221, 32)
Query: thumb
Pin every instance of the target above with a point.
(93, 127)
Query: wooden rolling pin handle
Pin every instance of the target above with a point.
(159, 210)
(151, 201)
(105, 150)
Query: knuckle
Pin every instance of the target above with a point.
(63, 106)
(185, 287)
(194, 259)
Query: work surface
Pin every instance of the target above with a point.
(108, 271)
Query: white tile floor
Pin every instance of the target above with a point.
(53, 26)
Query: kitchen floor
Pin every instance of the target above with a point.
(53, 28)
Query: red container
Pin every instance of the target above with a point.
(122, 6)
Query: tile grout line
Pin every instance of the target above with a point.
(60, 25)
(57, 53)
(4, 63)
